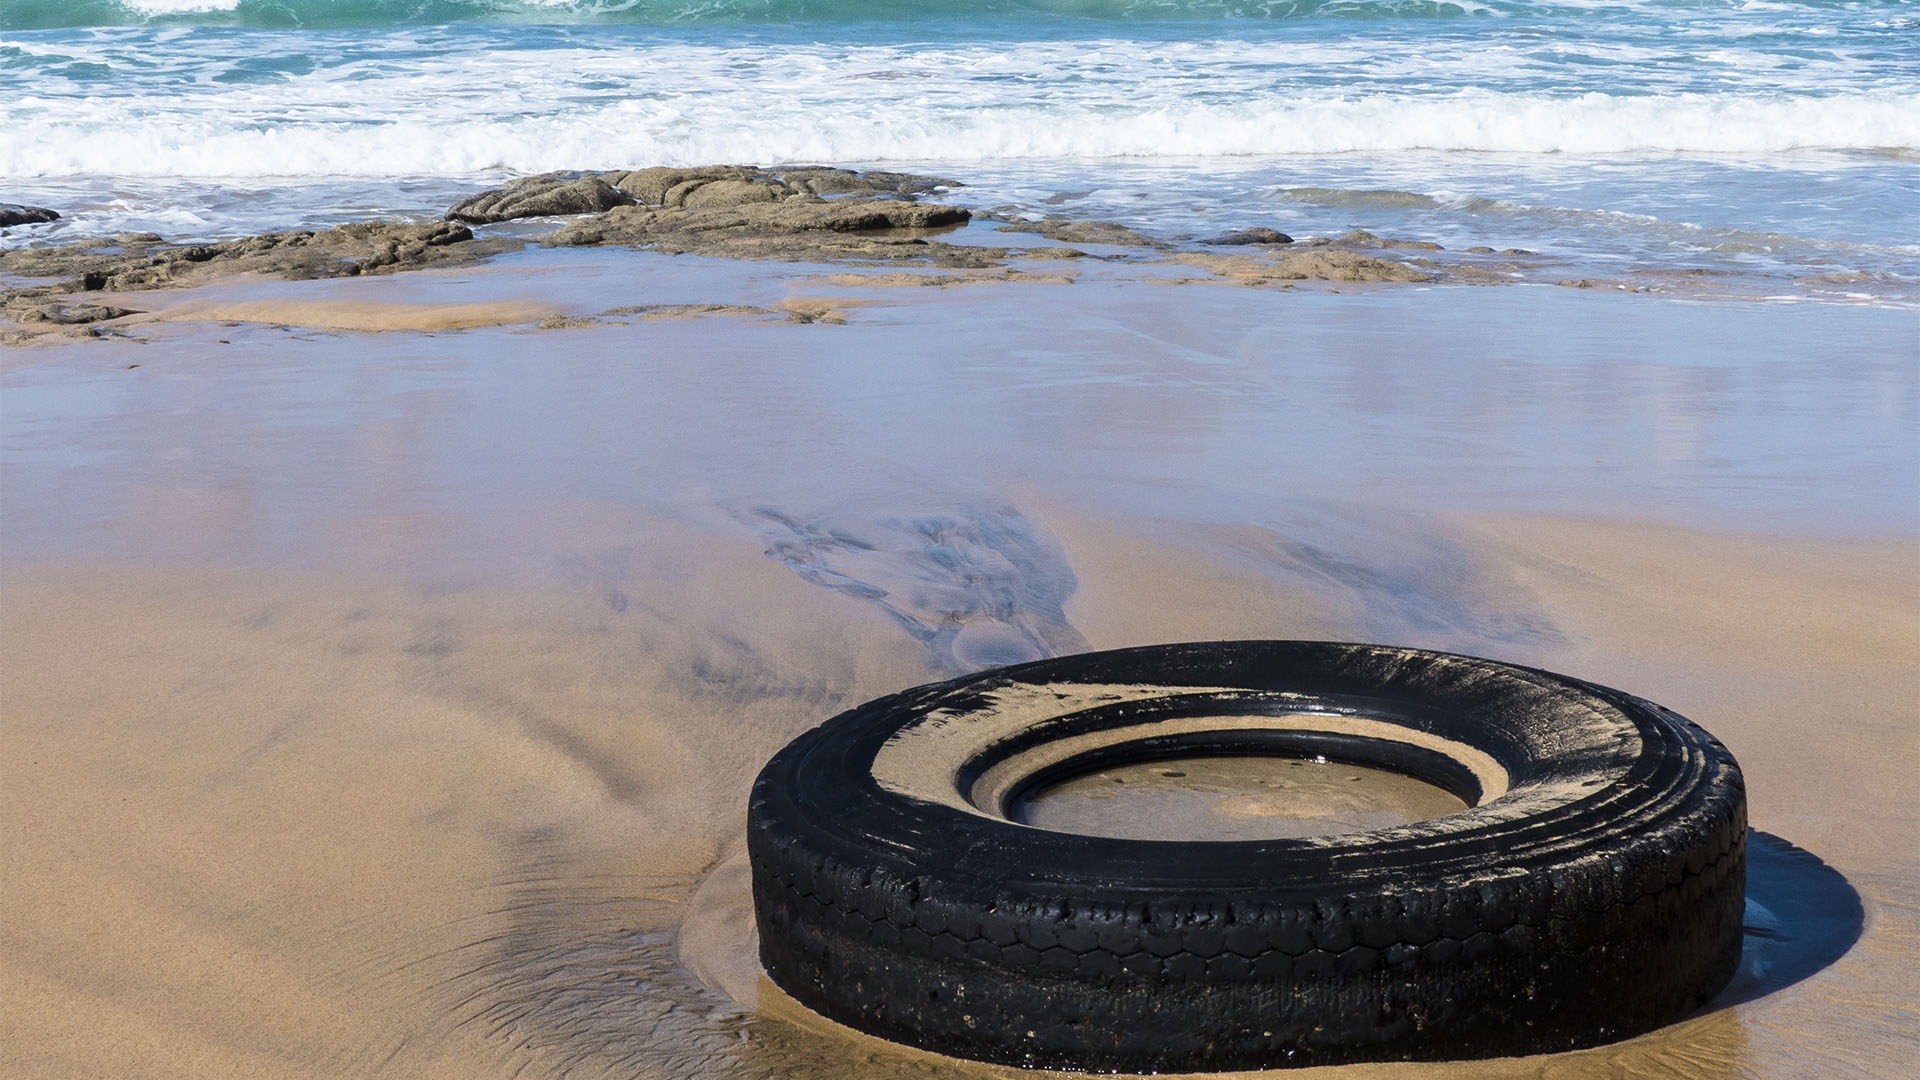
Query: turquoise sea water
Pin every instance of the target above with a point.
(1777, 140)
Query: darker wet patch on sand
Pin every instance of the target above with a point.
(1408, 585)
(977, 588)
(571, 971)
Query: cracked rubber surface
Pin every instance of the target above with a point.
(1598, 897)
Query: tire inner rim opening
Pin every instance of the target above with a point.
(1005, 756)
(1248, 796)
(1238, 777)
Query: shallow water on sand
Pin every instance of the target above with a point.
(384, 705)
(1232, 798)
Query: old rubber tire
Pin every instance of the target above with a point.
(1593, 890)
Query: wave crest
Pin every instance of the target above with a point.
(332, 14)
(623, 135)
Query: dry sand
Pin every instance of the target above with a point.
(268, 825)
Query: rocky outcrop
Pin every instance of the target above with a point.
(67, 314)
(1259, 234)
(1336, 265)
(796, 227)
(552, 195)
(731, 185)
(15, 214)
(1362, 240)
(707, 187)
(1326, 264)
(802, 213)
(1083, 232)
(346, 251)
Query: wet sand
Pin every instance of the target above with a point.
(374, 707)
(269, 824)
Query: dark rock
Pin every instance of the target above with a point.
(540, 196)
(697, 195)
(797, 227)
(650, 187)
(1362, 240)
(71, 315)
(818, 180)
(1083, 232)
(1256, 235)
(1343, 266)
(1324, 264)
(733, 184)
(711, 187)
(346, 251)
(15, 214)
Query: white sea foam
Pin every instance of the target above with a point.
(179, 7)
(278, 106)
(1785, 136)
(67, 138)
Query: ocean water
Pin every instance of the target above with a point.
(1777, 140)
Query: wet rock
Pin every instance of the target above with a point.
(816, 180)
(1336, 265)
(345, 251)
(921, 280)
(69, 315)
(741, 211)
(15, 214)
(1083, 232)
(719, 193)
(664, 312)
(1245, 237)
(798, 228)
(70, 260)
(1362, 240)
(650, 187)
(728, 185)
(1599, 283)
(552, 195)
(1325, 264)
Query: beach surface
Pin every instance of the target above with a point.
(447, 446)
(383, 687)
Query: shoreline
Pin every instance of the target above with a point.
(799, 215)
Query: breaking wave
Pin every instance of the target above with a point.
(322, 14)
(753, 128)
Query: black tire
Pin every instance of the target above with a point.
(1594, 892)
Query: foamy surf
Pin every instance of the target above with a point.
(241, 136)
(1703, 125)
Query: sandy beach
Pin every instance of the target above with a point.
(277, 824)
(447, 447)
(387, 659)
